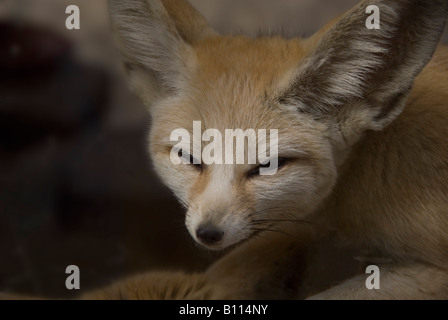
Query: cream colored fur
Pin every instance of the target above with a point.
(363, 117)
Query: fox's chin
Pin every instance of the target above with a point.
(217, 247)
(226, 244)
(220, 246)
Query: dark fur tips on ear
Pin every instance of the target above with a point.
(352, 63)
(154, 37)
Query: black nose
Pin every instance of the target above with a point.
(208, 234)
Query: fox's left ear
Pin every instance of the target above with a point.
(365, 75)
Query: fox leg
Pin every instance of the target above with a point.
(412, 282)
(261, 269)
(281, 266)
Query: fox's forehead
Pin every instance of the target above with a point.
(263, 59)
(237, 69)
(235, 82)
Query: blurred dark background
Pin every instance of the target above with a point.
(76, 182)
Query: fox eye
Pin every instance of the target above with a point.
(256, 171)
(188, 158)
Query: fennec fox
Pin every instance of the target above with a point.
(362, 120)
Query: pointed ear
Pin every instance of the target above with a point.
(360, 75)
(155, 38)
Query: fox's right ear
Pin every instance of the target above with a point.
(360, 78)
(156, 38)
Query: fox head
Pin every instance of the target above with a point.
(321, 94)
